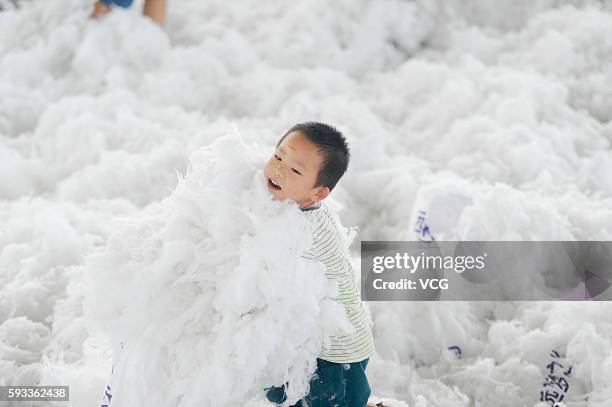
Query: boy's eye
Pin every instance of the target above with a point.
(296, 171)
(277, 157)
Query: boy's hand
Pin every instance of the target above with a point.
(99, 10)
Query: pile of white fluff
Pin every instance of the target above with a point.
(208, 293)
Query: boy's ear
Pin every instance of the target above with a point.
(322, 193)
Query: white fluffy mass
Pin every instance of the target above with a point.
(207, 292)
(128, 216)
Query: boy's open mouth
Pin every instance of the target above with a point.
(274, 185)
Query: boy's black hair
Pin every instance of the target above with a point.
(332, 147)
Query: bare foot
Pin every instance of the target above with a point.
(99, 10)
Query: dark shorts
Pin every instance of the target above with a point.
(332, 385)
(120, 3)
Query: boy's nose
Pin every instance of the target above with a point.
(277, 171)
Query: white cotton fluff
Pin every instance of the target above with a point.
(208, 291)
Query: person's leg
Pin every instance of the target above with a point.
(327, 386)
(277, 395)
(100, 9)
(156, 9)
(357, 387)
(103, 7)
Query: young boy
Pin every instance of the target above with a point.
(308, 162)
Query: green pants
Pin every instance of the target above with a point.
(332, 385)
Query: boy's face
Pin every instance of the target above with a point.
(292, 171)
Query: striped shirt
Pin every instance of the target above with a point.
(328, 247)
